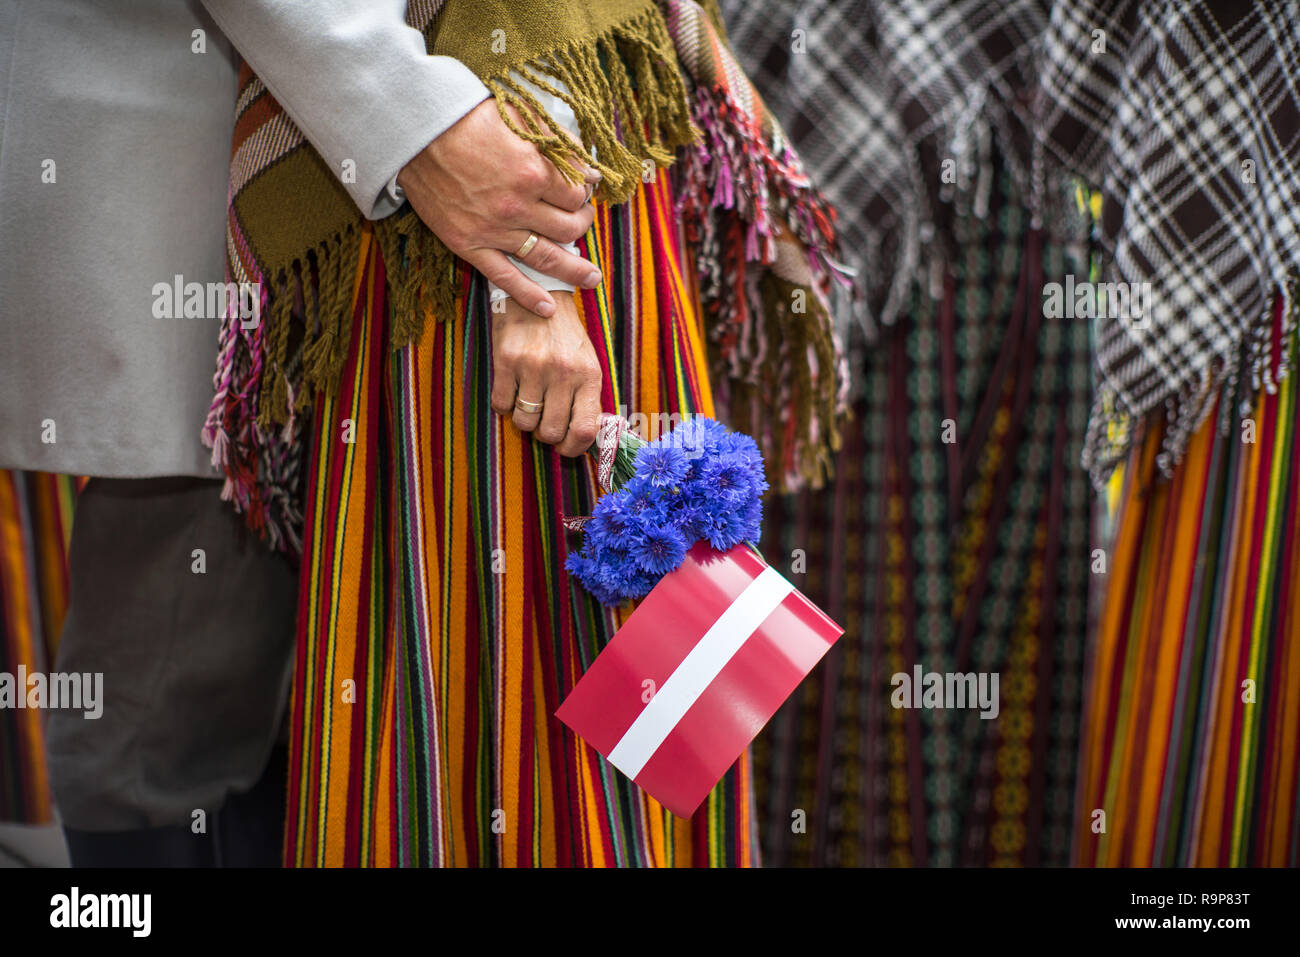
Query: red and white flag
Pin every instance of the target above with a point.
(696, 672)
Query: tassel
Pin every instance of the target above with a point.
(807, 358)
(342, 279)
(321, 337)
(273, 385)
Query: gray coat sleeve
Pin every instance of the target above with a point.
(355, 79)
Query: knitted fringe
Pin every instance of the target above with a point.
(736, 190)
(632, 66)
(790, 397)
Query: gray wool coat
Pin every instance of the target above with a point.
(115, 127)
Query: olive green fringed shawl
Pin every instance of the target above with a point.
(297, 217)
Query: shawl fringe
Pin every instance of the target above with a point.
(780, 369)
(1113, 429)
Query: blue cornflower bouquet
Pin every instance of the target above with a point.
(697, 482)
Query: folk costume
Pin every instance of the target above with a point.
(438, 630)
(1190, 131)
(954, 536)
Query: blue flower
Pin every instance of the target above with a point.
(697, 437)
(660, 549)
(581, 567)
(691, 519)
(752, 518)
(612, 568)
(730, 479)
(645, 499)
(663, 466)
(697, 482)
(740, 443)
(729, 529)
(609, 519)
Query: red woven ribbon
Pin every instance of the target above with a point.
(609, 437)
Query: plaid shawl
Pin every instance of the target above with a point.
(1189, 123)
(1184, 117)
(644, 78)
(878, 95)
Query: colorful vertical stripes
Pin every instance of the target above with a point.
(35, 530)
(438, 630)
(1191, 743)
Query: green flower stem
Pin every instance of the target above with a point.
(624, 459)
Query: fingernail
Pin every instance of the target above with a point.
(545, 309)
(592, 280)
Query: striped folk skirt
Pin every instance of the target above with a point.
(35, 531)
(1190, 753)
(438, 631)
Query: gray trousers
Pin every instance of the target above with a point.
(191, 622)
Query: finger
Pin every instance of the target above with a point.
(590, 173)
(585, 418)
(556, 413)
(564, 194)
(504, 388)
(554, 223)
(530, 390)
(559, 192)
(497, 268)
(554, 260)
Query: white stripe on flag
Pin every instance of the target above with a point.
(698, 669)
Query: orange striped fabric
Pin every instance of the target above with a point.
(1191, 741)
(438, 629)
(35, 531)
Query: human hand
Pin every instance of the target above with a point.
(482, 189)
(551, 362)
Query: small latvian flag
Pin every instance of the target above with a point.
(699, 667)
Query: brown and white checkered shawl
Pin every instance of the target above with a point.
(1189, 123)
(1186, 118)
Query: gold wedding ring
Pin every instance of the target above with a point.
(528, 408)
(527, 247)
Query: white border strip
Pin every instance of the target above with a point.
(698, 669)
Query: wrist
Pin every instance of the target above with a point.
(407, 173)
